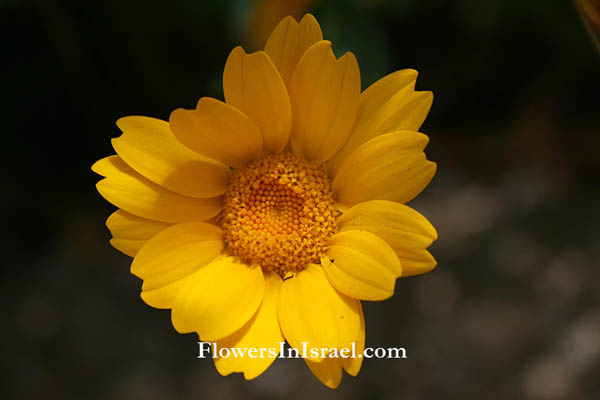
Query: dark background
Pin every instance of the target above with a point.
(513, 309)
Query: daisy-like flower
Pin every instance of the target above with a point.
(270, 216)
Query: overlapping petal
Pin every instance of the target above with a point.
(261, 332)
(325, 95)
(130, 232)
(399, 225)
(218, 299)
(328, 371)
(177, 252)
(390, 104)
(135, 194)
(252, 84)
(361, 265)
(388, 167)
(128, 247)
(124, 225)
(217, 130)
(352, 365)
(312, 311)
(288, 42)
(404, 229)
(415, 261)
(164, 297)
(149, 147)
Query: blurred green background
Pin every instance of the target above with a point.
(512, 311)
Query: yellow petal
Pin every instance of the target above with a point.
(164, 297)
(312, 311)
(404, 229)
(328, 371)
(361, 265)
(352, 365)
(135, 194)
(177, 252)
(124, 225)
(148, 146)
(415, 261)
(261, 332)
(388, 105)
(289, 41)
(218, 299)
(399, 225)
(388, 167)
(127, 246)
(325, 94)
(130, 232)
(252, 84)
(217, 130)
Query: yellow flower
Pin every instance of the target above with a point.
(268, 217)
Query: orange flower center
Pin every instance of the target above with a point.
(279, 213)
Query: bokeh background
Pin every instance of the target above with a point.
(512, 311)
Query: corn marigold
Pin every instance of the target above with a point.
(270, 216)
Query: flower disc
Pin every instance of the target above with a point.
(279, 213)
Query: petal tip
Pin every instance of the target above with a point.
(309, 17)
(94, 167)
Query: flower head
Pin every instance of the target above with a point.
(270, 216)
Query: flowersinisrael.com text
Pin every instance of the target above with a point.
(213, 350)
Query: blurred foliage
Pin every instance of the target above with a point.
(590, 13)
(512, 310)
